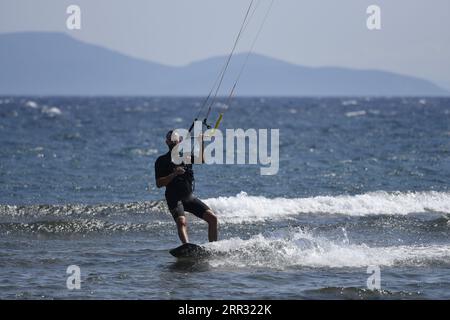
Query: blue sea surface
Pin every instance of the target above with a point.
(362, 182)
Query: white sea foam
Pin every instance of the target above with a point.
(355, 113)
(144, 151)
(31, 104)
(245, 208)
(302, 249)
(51, 111)
(221, 105)
(349, 102)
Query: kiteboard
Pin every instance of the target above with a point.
(189, 251)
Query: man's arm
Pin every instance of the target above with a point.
(164, 181)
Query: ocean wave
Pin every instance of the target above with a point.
(355, 113)
(300, 248)
(243, 207)
(31, 104)
(144, 151)
(51, 111)
(355, 293)
(351, 102)
(78, 226)
(81, 210)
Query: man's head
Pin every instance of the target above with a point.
(172, 139)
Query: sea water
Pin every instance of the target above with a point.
(362, 183)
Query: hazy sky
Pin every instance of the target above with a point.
(414, 39)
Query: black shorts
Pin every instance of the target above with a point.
(190, 204)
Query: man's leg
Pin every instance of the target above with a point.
(201, 210)
(178, 214)
(182, 229)
(211, 219)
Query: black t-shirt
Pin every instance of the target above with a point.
(181, 186)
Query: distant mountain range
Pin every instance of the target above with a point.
(45, 63)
